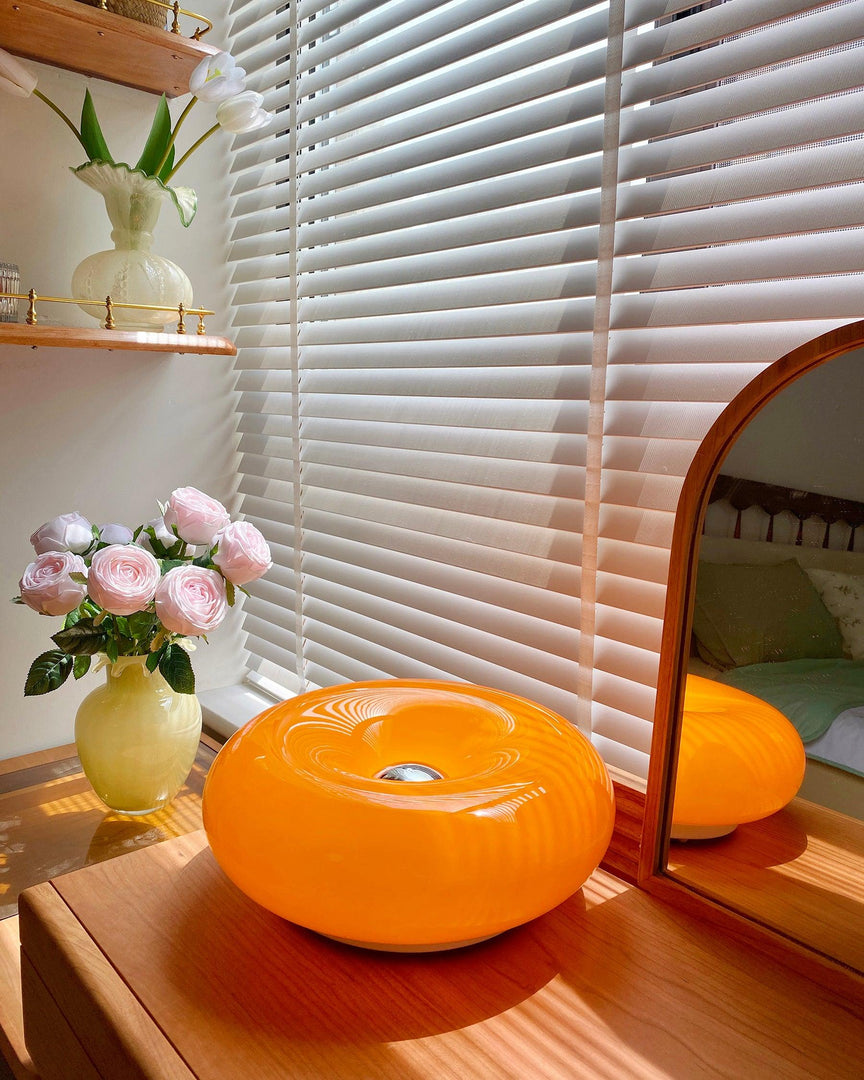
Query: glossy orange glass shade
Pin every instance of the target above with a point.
(740, 760)
(297, 819)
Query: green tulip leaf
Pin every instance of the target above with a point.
(165, 171)
(176, 669)
(91, 133)
(157, 140)
(47, 672)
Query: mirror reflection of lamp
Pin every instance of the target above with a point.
(740, 760)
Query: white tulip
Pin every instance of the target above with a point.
(243, 113)
(15, 79)
(217, 78)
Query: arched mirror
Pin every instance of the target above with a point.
(758, 762)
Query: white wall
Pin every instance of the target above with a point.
(809, 436)
(104, 433)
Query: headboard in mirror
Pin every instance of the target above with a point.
(766, 586)
(801, 507)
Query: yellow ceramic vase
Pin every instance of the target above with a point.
(137, 738)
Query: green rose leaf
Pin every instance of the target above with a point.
(91, 133)
(111, 649)
(152, 661)
(47, 672)
(140, 623)
(80, 666)
(76, 575)
(81, 639)
(157, 140)
(176, 668)
(73, 617)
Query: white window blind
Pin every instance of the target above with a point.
(737, 238)
(497, 269)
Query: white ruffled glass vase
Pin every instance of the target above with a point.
(130, 273)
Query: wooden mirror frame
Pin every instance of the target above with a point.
(674, 652)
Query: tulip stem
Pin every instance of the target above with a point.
(191, 150)
(180, 120)
(38, 93)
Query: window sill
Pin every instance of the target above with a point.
(230, 707)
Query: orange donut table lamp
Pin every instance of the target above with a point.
(408, 816)
(739, 760)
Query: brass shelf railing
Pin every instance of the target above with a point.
(109, 305)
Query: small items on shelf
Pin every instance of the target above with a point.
(9, 284)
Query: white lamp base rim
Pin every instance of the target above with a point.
(701, 832)
(379, 946)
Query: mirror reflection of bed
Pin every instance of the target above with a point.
(779, 613)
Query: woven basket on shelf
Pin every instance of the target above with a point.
(140, 10)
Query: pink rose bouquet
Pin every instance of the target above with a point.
(141, 592)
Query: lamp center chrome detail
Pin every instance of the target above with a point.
(410, 771)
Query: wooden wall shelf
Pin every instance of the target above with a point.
(74, 36)
(73, 337)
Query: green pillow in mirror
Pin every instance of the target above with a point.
(753, 614)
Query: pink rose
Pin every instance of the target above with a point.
(198, 517)
(242, 553)
(191, 600)
(47, 587)
(123, 578)
(68, 532)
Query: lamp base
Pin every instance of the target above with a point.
(444, 946)
(701, 832)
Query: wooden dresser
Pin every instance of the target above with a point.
(154, 965)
